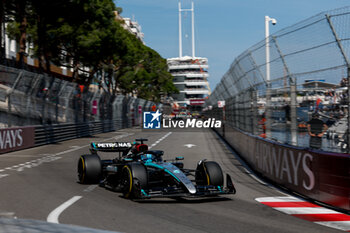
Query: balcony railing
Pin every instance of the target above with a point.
(187, 66)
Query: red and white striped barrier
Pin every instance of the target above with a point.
(308, 211)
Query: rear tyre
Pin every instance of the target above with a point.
(134, 178)
(209, 173)
(89, 169)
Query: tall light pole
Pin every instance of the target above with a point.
(193, 48)
(180, 31)
(268, 82)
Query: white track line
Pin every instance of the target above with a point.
(159, 140)
(341, 225)
(54, 215)
(8, 215)
(3, 175)
(90, 188)
(52, 157)
(254, 176)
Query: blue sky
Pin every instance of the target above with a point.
(223, 28)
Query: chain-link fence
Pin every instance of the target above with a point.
(28, 98)
(309, 81)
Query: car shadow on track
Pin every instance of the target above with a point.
(182, 200)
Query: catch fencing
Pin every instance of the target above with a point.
(37, 109)
(28, 98)
(266, 107)
(309, 73)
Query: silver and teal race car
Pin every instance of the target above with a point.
(140, 173)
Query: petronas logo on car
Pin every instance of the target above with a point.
(112, 145)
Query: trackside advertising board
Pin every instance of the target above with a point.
(320, 175)
(18, 138)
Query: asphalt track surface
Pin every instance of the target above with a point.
(36, 181)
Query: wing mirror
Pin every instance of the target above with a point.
(179, 158)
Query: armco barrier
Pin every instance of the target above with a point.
(18, 138)
(55, 133)
(322, 176)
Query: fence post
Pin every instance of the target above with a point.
(348, 99)
(293, 110)
(237, 116)
(293, 96)
(268, 115)
(254, 109)
(346, 60)
(9, 117)
(8, 96)
(256, 67)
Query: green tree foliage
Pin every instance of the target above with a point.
(84, 35)
(19, 12)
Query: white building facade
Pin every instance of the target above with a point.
(190, 76)
(190, 73)
(132, 26)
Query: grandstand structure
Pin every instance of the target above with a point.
(190, 73)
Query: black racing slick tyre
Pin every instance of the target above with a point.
(134, 179)
(89, 169)
(209, 173)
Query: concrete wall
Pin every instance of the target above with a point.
(319, 175)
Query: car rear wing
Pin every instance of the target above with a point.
(111, 146)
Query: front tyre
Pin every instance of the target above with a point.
(89, 169)
(133, 180)
(209, 173)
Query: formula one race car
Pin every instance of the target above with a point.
(140, 173)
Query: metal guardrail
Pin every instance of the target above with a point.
(19, 138)
(46, 134)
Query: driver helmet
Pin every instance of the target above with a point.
(147, 157)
